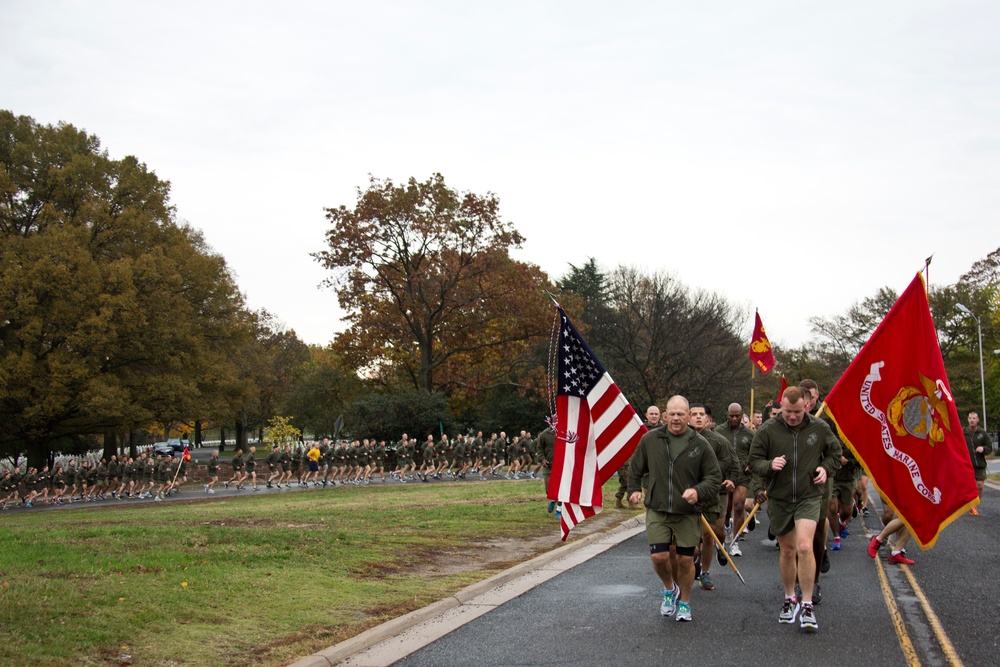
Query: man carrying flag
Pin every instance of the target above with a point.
(893, 407)
(595, 428)
(683, 470)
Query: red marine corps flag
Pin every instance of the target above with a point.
(894, 409)
(760, 347)
(596, 429)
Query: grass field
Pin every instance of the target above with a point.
(242, 581)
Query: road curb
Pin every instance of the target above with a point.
(369, 638)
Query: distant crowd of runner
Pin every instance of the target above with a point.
(316, 463)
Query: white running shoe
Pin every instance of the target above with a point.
(789, 610)
(669, 605)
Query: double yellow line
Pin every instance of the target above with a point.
(905, 643)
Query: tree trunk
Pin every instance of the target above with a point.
(197, 433)
(110, 445)
(222, 438)
(241, 435)
(37, 453)
(426, 358)
(133, 449)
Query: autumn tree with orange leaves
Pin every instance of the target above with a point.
(431, 291)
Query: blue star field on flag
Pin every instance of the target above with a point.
(579, 368)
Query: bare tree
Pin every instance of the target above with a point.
(660, 338)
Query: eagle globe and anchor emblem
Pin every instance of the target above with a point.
(922, 414)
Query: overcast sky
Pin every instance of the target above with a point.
(792, 156)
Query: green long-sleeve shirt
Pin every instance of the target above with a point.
(806, 446)
(675, 463)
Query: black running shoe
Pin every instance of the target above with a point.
(825, 567)
(719, 557)
(752, 524)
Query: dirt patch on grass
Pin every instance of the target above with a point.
(259, 523)
(501, 553)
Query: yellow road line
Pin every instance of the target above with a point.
(898, 624)
(905, 644)
(946, 645)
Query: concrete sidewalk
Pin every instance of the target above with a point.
(395, 639)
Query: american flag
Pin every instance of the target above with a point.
(596, 428)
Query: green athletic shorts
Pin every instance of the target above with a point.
(783, 514)
(843, 491)
(713, 515)
(682, 529)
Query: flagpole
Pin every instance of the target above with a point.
(753, 378)
(722, 548)
(746, 522)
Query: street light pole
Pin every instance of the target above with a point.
(982, 372)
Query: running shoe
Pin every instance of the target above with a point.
(552, 506)
(836, 544)
(683, 611)
(719, 556)
(825, 567)
(669, 605)
(753, 523)
(873, 546)
(789, 610)
(817, 596)
(974, 512)
(901, 559)
(844, 532)
(807, 619)
(866, 511)
(558, 514)
(734, 549)
(705, 580)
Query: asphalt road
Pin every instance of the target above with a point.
(606, 611)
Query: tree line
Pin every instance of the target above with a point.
(118, 319)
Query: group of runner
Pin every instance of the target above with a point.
(77, 479)
(316, 463)
(320, 463)
(698, 480)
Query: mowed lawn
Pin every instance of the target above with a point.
(242, 581)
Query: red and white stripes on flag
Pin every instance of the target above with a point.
(596, 428)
